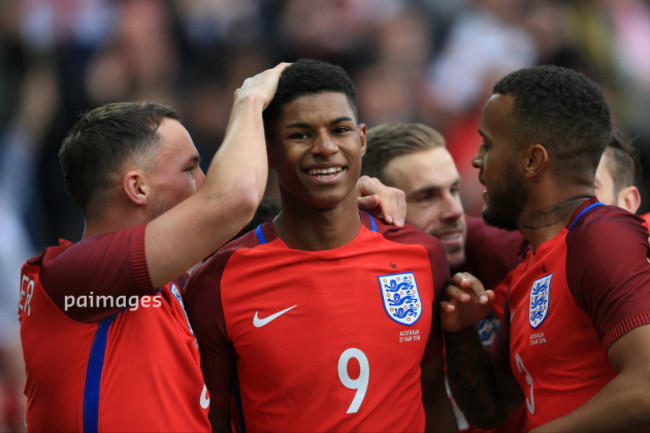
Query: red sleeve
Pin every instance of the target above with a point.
(439, 274)
(112, 265)
(608, 271)
(204, 308)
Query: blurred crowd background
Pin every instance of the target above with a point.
(433, 61)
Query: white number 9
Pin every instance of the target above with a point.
(361, 382)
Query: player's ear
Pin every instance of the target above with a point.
(362, 137)
(536, 160)
(629, 198)
(135, 187)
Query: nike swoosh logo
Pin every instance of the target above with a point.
(258, 322)
(205, 400)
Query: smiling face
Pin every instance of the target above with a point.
(431, 183)
(316, 147)
(505, 194)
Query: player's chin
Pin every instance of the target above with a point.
(456, 258)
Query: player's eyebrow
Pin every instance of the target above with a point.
(307, 125)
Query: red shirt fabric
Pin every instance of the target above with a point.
(322, 340)
(568, 302)
(104, 350)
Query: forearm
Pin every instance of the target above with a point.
(239, 169)
(226, 202)
(480, 392)
(622, 405)
(439, 414)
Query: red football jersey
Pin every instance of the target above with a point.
(136, 368)
(569, 301)
(322, 340)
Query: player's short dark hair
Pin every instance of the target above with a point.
(96, 147)
(307, 77)
(563, 110)
(624, 162)
(387, 141)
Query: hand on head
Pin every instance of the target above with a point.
(263, 84)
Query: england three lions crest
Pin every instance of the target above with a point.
(401, 297)
(540, 297)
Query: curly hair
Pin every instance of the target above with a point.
(96, 147)
(307, 77)
(563, 110)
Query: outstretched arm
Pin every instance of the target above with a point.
(439, 414)
(232, 190)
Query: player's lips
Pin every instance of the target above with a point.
(325, 173)
(450, 238)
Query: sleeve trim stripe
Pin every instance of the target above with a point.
(625, 326)
(139, 261)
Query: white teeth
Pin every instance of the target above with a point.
(324, 171)
(448, 237)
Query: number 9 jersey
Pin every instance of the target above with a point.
(322, 340)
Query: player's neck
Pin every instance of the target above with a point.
(305, 228)
(108, 224)
(546, 221)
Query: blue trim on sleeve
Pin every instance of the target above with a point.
(373, 225)
(259, 234)
(94, 376)
(583, 212)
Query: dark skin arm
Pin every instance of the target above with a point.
(439, 414)
(487, 395)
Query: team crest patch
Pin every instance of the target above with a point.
(401, 297)
(179, 298)
(540, 297)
